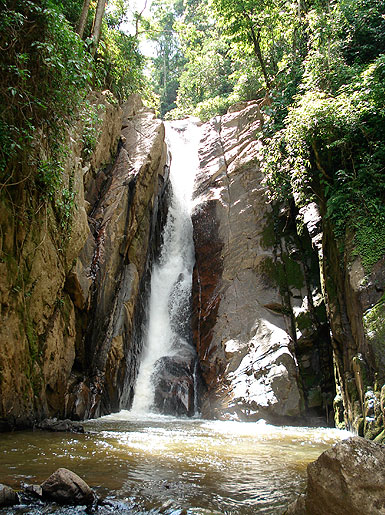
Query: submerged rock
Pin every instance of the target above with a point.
(8, 496)
(66, 487)
(348, 478)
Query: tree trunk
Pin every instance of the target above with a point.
(83, 18)
(256, 37)
(97, 28)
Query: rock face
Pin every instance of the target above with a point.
(125, 221)
(348, 478)
(354, 299)
(258, 314)
(66, 487)
(71, 306)
(8, 496)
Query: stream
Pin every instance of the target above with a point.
(158, 464)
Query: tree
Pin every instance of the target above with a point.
(97, 27)
(245, 21)
(169, 61)
(83, 18)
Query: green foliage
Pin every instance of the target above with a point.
(331, 146)
(89, 115)
(362, 31)
(70, 9)
(45, 71)
(168, 63)
(50, 185)
(119, 65)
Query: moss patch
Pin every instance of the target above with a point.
(374, 325)
(285, 273)
(370, 244)
(304, 321)
(269, 238)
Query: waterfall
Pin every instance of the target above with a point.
(168, 347)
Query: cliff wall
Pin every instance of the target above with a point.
(288, 325)
(259, 318)
(70, 306)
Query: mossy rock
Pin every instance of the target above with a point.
(314, 398)
(372, 429)
(269, 235)
(304, 321)
(352, 391)
(380, 438)
(374, 326)
(286, 273)
(339, 411)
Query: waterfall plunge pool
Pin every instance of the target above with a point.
(158, 464)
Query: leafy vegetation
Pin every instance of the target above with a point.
(47, 71)
(330, 147)
(322, 63)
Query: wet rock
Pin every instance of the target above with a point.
(8, 496)
(259, 317)
(174, 385)
(52, 424)
(66, 487)
(111, 274)
(84, 298)
(348, 478)
(34, 491)
(48, 339)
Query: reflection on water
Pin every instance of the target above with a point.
(168, 464)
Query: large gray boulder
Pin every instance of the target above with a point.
(349, 479)
(66, 487)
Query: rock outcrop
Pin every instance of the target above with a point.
(258, 314)
(354, 299)
(174, 384)
(287, 323)
(348, 478)
(70, 305)
(126, 217)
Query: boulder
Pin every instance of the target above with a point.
(66, 487)
(348, 478)
(8, 496)
(174, 384)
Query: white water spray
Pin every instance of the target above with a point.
(171, 277)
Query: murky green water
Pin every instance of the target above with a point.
(167, 465)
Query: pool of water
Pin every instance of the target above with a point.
(158, 464)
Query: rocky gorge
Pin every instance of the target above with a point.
(70, 311)
(287, 328)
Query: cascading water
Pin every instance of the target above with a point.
(166, 374)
